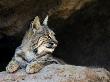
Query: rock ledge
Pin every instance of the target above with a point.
(59, 73)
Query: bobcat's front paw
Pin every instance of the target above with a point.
(33, 67)
(12, 67)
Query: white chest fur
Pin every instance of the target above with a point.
(29, 56)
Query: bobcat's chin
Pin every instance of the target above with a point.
(44, 50)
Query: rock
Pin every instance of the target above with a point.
(15, 16)
(81, 25)
(59, 73)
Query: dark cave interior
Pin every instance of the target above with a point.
(84, 37)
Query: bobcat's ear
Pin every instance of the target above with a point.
(45, 22)
(36, 23)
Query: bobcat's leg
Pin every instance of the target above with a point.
(12, 66)
(41, 62)
(37, 64)
(34, 67)
(17, 61)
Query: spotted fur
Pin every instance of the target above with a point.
(36, 49)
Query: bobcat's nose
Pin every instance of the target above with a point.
(54, 45)
(51, 45)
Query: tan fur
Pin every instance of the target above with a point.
(36, 49)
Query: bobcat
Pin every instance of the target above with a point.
(36, 49)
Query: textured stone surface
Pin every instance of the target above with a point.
(83, 31)
(59, 73)
(15, 15)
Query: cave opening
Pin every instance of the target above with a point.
(84, 37)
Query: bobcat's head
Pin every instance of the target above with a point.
(39, 40)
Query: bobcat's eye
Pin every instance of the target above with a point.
(50, 45)
(35, 50)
